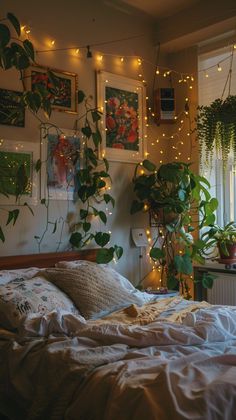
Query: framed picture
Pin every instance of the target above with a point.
(122, 101)
(11, 113)
(61, 158)
(18, 177)
(63, 95)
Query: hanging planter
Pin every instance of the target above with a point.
(216, 127)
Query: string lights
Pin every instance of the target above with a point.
(183, 78)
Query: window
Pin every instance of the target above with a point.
(213, 73)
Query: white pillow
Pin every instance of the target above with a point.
(21, 297)
(27, 273)
(93, 289)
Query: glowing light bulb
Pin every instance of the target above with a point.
(219, 68)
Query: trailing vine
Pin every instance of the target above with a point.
(91, 181)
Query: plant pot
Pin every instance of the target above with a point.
(231, 251)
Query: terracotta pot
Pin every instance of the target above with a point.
(231, 251)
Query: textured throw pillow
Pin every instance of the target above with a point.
(21, 297)
(76, 264)
(93, 289)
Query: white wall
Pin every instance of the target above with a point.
(80, 23)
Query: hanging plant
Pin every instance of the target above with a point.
(216, 128)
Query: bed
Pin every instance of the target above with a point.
(78, 341)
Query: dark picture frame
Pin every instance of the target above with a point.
(11, 111)
(63, 95)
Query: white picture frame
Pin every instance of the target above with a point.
(60, 158)
(14, 154)
(122, 101)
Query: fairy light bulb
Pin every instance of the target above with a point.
(121, 59)
(157, 71)
(219, 68)
(53, 42)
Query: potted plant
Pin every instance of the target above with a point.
(225, 239)
(175, 197)
(216, 128)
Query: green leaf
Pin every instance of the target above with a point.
(86, 226)
(83, 214)
(102, 238)
(38, 165)
(157, 253)
(213, 204)
(102, 216)
(199, 243)
(149, 165)
(2, 237)
(5, 35)
(136, 206)
(208, 280)
(96, 116)
(106, 163)
(210, 220)
(172, 282)
(104, 255)
(28, 46)
(108, 198)
(43, 201)
(183, 264)
(13, 215)
(81, 96)
(76, 239)
(87, 131)
(97, 138)
(15, 23)
(182, 195)
(53, 79)
(55, 227)
(29, 208)
(118, 251)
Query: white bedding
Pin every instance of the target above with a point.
(180, 366)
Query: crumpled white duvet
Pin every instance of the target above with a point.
(63, 367)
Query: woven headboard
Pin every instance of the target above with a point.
(45, 259)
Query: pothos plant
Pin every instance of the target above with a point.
(180, 204)
(91, 180)
(216, 128)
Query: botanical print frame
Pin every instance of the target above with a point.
(122, 101)
(14, 157)
(61, 158)
(63, 97)
(10, 102)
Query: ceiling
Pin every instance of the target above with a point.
(180, 24)
(160, 9)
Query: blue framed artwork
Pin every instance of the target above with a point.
(61, 157)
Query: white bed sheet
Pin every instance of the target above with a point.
(181, 366)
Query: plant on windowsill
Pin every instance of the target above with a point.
(225, 239)
(19, 53)
(181, 205)
(216, 128)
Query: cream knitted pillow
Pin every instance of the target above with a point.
(93, 289)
